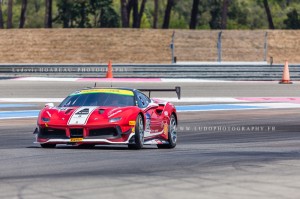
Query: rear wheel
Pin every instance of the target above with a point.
(48, 146)
(172, 135)
(139, 134)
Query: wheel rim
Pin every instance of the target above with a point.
(173, 132)
(141, 130)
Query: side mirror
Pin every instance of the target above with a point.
(49, 105)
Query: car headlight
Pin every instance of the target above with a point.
(45, 119)
(115, 119)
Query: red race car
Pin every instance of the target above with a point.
(95, 116)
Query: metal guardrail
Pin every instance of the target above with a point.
(201, 71)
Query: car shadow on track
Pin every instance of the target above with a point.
(118, 148)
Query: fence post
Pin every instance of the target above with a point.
(219, 46)
(172, 46)
(266, 46)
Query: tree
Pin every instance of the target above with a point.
(23, 14)
(293, 21)
(108, 18)
(124, 14)
(65, 14)
(215, 12)
(73, 14)
(141, 12)
(135, 7)
(48, 14)
(224, 14)
(78, 14)
(83, 14)
(137, 14)
(37, 5)
(103, 13)
(127, 7)
(269, 16)
(167, 17)
(155, 14)
(1, 16)
(10, 14)
(194, 14)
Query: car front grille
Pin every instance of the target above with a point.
(52, 133)
(76, 133)
(104, 133)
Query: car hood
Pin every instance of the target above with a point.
(81, 115)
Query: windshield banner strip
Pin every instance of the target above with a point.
(112, 91)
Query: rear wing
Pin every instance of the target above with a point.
(177, 90)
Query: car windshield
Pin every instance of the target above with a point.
(98, 99)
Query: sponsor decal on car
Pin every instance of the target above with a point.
(81, 115)
(112, 91)
(49, 114)
(148, 120)
(112, 113)
(166, 113)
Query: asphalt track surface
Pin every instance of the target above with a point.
(220, 154)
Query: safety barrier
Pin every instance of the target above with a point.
(201, 71)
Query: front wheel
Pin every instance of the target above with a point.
(139, 134)
(172, 134)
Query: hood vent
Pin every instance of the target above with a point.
(68, 111)
(101, 111)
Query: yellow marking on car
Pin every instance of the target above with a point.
(112, 91)
(76, 139)
(133, 130)
(132, 123)
(166, 129)
(46, 125)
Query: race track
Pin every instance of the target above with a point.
(220, 154)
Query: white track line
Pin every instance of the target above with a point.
(31, 99)
(23, 117)
(166, 80)
(275, 105)
(169, 80)
(202, 99)
(138, 80)
(169, 99)
(46, 79)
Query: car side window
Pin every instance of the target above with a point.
(143, 100)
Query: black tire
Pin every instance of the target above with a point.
(139, 134)
(172, 135)
(48, 146)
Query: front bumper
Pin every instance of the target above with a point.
(81, 134)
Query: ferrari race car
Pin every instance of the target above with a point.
(95, 116)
